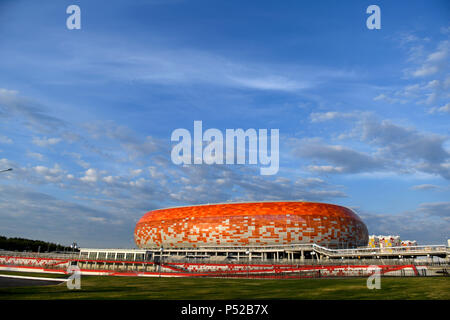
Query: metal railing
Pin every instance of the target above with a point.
(412, 250)
(45, 255)
(304, 247)
(355, 252)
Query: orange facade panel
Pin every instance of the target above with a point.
(261, 223)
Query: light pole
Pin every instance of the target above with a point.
(161, 259)
(247, 252)
(5, 170)
(74, 246)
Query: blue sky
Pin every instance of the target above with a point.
(86, 115)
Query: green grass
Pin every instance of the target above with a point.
(97, 287)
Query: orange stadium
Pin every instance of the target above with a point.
(256, 223)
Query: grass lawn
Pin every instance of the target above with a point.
(98, 287)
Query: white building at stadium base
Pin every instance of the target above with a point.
(291, 253)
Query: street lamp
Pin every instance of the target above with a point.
(74, 246)
(312, 255)
(247, 252)
(5, 170)
(160, 259)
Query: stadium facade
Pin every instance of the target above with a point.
(253, 224)
(264, 231)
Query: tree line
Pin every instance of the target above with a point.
(21, 244)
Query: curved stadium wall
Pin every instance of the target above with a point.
(258, 223)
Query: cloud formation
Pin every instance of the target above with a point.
(341, 158)
(428, 224)
(394, 148)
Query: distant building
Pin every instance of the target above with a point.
(409, 243)
(374, 241)
(389, 241)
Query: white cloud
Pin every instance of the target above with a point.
(428, 224)
(425, 70)
(155, 172)
(83, 164)
(91, 175)
(96, 219)
(30, 113)
(388, 99)
(279, 83)
(435, 61)
(381, 96)
(445, 30)
(42, 216)
(331, 115)
(444, 109)
(326, 169)
(393, 148)
(149, 63)
(342, 158)
(55, 174)
(421, 64)
(109, 179)
(44, 170)
(5, 140)
(45, 142)
(424, 187)
(36, 155)
(6, 92)
(136, 172)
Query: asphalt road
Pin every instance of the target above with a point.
(14, 282)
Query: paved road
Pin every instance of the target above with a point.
(14, 282)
